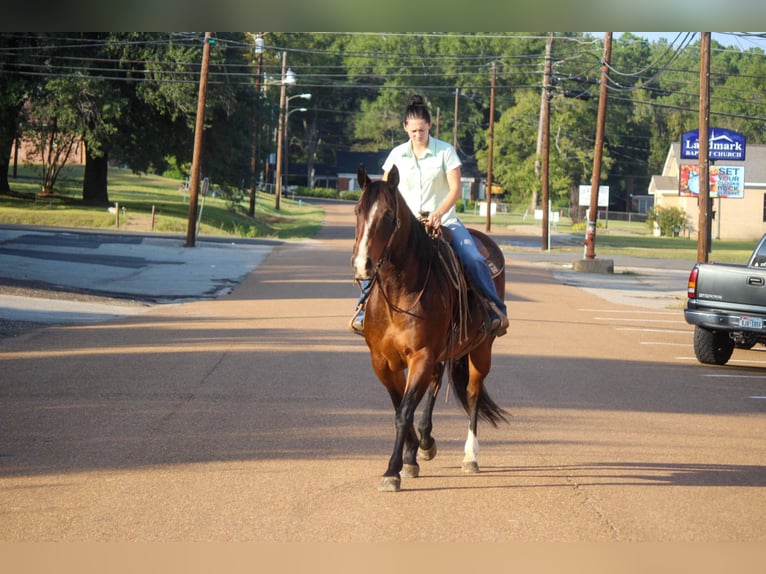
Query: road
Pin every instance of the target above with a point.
(255, 416)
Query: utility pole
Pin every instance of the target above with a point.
(490, 151)
(454, 125)
(199, 126)
(280, 130)
(590, 235)
(543, 139)
(704, 225)
(254, 150)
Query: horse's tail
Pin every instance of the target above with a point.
(488, 409)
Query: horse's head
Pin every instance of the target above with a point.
(377, 219)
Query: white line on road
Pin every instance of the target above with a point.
(630, 311)
(637, 319)
(652, 330)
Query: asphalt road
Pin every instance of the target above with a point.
(254, 415)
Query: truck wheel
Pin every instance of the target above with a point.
(712, 347)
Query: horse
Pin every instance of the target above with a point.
(418, 319)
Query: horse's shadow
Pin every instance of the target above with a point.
(596, 474)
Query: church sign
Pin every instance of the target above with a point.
(722, 144)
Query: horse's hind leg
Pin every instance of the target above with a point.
(471, 449)
(478, 368)
(427, 446)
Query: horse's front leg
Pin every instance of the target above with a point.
(427, 444)
(405, 445)
(419, 376)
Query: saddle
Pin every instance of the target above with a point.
(496, 263)
(488, 248)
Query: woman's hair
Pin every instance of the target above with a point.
(417, 109)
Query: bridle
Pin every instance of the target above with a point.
(386, 255)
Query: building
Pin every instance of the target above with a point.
(735, 218)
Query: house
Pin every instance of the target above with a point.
(740, 216)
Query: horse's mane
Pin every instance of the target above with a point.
(420, 244)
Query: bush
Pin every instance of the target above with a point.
(670, 220)
(323, 192)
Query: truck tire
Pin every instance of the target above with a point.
(712, 347)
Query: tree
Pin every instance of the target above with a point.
(15, 89)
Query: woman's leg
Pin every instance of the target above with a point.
(476, 267)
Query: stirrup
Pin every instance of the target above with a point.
(357, 323)
(499, 325)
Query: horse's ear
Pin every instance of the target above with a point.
(362, 177)
(393, 176)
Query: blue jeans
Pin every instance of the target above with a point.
(473, 262)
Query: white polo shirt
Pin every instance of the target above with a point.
(423, 182)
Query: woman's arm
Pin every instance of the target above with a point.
(453, 179)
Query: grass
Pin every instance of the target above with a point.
(138, 194)
(632, 239)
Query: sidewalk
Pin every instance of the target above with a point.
(73, 276)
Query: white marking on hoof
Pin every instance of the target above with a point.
(470, 459)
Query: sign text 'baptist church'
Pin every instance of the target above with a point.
(722, 144)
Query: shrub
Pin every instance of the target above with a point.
(670, 220)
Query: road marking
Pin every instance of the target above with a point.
(757, 397)
(636, 320)
(734, 376)
(632, 312)
(652, 330)
(730, 362)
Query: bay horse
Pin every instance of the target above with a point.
(418, 319)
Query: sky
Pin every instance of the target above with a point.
(724, 38)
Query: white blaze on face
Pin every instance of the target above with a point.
(362, 254)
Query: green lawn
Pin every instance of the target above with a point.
(139, 194)
(628, 238)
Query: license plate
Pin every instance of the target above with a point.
(751, 322)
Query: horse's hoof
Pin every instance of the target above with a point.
(410, 471)
(390, 484)
(471, 467)
(427, 453)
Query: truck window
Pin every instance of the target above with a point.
(760, 257)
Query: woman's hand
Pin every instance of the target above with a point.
(435, 219)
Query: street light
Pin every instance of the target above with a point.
(288, 77)
(286, 139)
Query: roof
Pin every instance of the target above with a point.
(662, 183)
(348, 161)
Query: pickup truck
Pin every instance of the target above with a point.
(727, 306)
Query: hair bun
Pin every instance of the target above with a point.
(417, 100)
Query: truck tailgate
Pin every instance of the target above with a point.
(733, 284)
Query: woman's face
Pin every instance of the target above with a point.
(418, 130)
